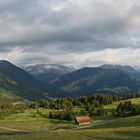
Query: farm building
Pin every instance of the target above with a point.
(82, 120)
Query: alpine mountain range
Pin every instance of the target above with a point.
(53, 80)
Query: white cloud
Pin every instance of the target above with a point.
(79, 32)
(124, 56)
(16, 55)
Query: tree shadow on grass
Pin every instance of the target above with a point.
(14, 133)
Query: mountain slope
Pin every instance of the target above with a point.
(67, 82)
(134, 73)
(19, 82)
(46, 72)
(89, 80)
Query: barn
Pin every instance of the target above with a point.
(82, 120)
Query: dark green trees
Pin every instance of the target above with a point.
(127, 109)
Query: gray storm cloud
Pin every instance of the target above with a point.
(39, 31)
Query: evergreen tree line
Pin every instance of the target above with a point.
(90, 105)
(127, 109)
(96, 100)
(7, 109)
(65, 114)
(86, 110)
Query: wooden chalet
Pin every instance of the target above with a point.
(82, 120)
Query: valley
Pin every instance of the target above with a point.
(31, 108)
(67, 81)
(69, 70)
(40, 127)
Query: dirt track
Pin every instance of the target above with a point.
(15, 130)
(90, 126)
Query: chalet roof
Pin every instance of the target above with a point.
(83, 119)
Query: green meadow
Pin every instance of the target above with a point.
(32, 126)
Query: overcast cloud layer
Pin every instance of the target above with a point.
(70, 32)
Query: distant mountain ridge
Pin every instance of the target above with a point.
(125, 68)
(105, 79)
(46, 72)
(133, 72)
(113, 79)
(61, 81)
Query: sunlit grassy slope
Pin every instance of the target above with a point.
(8, 97)
(39, 127)
(120, 129)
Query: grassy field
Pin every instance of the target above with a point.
(8, 97)
(39, 127)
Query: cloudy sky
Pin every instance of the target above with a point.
(70, 32)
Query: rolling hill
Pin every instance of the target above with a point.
(24, 126)
(19, 82)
